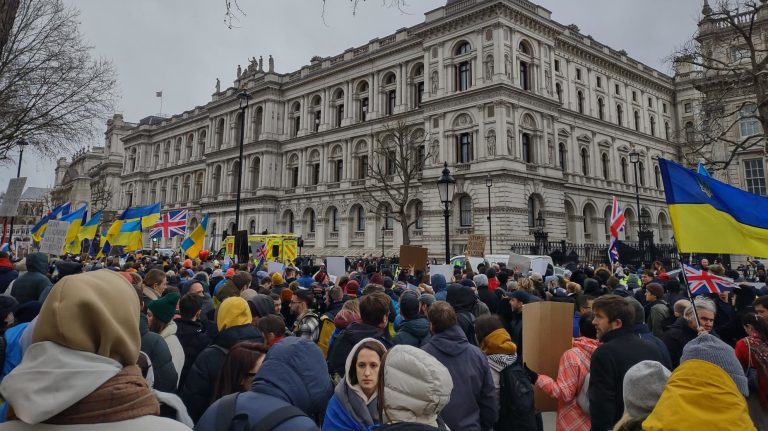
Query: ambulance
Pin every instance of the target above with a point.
(279, 247)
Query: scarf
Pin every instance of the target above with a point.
(125, 396)
(503, 360)
(363, 411)
(759, 350)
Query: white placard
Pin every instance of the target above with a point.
(446, 270)
(539, 265)
(275, 267)
(55, 235)
(332, 278)
(337, 265)
(10, 205)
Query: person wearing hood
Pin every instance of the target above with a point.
(439, 286)
(708, 371)
(405, 407)
(190, 331)
(160, 319)
(484, 292)
(571, 375)
(30, 285)
(374, 312)
(261, 305)
(414, 331)
(234, 322)
(463, 301)
(641, 329)
(473, 404)
(90, 361)
(354, 405)
(643, 385)
(292, 374)
(8, 272)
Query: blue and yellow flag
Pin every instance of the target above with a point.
(149, 214)
(194, 242)
(38, 230)
(129, 235)
(75, 219)
(88, 230)
(709, 216)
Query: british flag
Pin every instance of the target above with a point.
(617, 225)
(700, 281)
(170, 225)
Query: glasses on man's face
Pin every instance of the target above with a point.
(295, 302)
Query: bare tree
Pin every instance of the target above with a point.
(101, 195)
(8, 9)
(728, 64)
(233, 10)
(52, 92)
(399, 156)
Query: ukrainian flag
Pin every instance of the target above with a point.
(75, 220)
(88, 230)
(709, 216)
(149, 214)
(194, 242)
(38, 230)
(129, 235)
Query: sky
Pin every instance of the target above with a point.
(180, 47)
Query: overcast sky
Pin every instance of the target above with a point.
(180, 47)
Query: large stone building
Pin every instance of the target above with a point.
(497, 86)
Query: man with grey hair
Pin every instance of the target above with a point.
(686, 328)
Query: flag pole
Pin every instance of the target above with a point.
(687, 288)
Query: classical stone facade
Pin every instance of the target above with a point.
(34, 202)
(498, 88)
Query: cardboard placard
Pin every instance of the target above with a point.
(275, 267)
(411, 255)
(446, 270)
(475, 246)
(547, 334)
(336, 265)
(54, 237)
(10, 205)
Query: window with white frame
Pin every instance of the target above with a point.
(754, 176)
(465, 211)
(749, 125)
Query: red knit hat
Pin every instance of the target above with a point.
(352, 287)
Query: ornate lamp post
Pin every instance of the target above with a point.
(540, 236)
(446, 185)
(243, 96)
(634, 158)
(21, 143)
(489, 184)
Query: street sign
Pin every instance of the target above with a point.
(55, 236)
(10, 205)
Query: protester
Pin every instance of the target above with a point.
(656, 309)
(354, 405)
(165, 376)
(190, 331)
(272, 328)
(473, 402)
(621, 348)
(687, 328)
(761, 307)
(234, 324)
(752, 353)
(307, 323)
(90, 361)
(292, 374)
(239, 368)
(641, 328)
(643, 385)
(8, 272)
(30, 285)
(414, 329)
(405, 406)
(155, 283)
(160, 319)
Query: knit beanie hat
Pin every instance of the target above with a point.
(234, 311)
(409, 304)
(164, 307)
(643, 385)
(709, 348)
(521, 296)
(101, 311)
(480, 280)
(277, 278)
(498, 342)
(286, 295)
(188, 263)
(351, 288)
(427, 298)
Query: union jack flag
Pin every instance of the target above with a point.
(617, 225)
(170, 225)
(261, 253)
(700, 281)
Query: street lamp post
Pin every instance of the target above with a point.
(446, 185)
(21, 143)
(540, 236)
(489, 184)
(243, 97)
(634, 158)
(383, 229)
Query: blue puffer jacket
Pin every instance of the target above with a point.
(293, 373)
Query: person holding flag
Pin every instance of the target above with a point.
(617, 225)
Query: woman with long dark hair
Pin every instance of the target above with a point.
(240, 367)
(752, 352)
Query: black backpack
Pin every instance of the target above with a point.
(466, 321)
(225, 416)
(516, 406)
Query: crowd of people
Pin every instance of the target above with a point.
(153, 342)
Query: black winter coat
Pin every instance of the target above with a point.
(489, 298)
(197, 390)
(414, 332)
(346, 340)
(7, 275)
(193, 339)
(157, 349)
(678, 335)
(621, 349)
(30, 285)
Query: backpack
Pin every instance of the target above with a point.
(466, 321)
(225, 416)
(327, 327)
(582, 398)
(671, 318)
(516, 412)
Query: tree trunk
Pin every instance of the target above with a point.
(8, 9)
(406, 235)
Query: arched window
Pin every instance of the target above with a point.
(525, 82)
(464, 150)
(584, 161)
(463, 76)
(600, 108)
(641, 172)
(259, 121)
(220, 133)
(465, 211)
(689, 132)
(749, 125)
(652, 123)
(462, 48)
(419, 213)
(255, 173)
(334, 220)
(290, 221)
(188, 149)
(624, 169)
(606, 166)
(619, 115)
(637, 121)
(657, 176)
(296, 118)
(666, 130)
(580, 101)
(252, 227)
(559, 91)
(563, 155)
(201, 143)
(527, 148)
(362, 91)
(533, 212)
(360, 217)
(312, 220)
